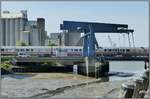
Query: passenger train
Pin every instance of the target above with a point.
(70, 50)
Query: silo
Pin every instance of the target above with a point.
(7, 31)
(73, 38)
(16, 30)
(3, 32)
(12, 32)
(21, 24)
(41, 29)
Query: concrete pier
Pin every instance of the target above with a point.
(93, 68)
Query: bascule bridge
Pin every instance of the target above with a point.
(94, 64)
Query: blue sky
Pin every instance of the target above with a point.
(135, 14)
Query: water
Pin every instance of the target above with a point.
(133, 67)
(25, 85)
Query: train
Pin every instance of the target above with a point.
(70, 50)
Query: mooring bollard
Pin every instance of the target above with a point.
(145, 76)
(138, 87)
(127, 91)
(141, 85)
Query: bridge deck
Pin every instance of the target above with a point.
(72, 60)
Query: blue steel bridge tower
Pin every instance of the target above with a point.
(90, 43)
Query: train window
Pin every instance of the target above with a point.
(115, 50)
(105, 50)
(110, 50)
(120, 50)
(76, 50)
(63, 50)
(70, 50)
(127, 50)
(2, 50)
(27, 49)
(123, 50)
(17, 50)
(56, 49)
(31, 50)
(22, 49)
(80, 50)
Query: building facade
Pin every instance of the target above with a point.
(66, 39)
(16, 27)
(71, 39)
(54, 39)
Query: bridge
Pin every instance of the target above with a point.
(73, 60)
(92, 64)
(62, 60)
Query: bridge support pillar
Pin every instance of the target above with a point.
(93, 68)
(102, 68)
(90, 66)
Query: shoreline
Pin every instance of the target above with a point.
(56, 85)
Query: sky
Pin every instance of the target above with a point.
(135, 14)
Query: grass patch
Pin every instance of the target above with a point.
(5, 59)
(6, 65)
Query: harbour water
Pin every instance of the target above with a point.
(30, 85)
(132, 67)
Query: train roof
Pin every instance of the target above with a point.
(41, 46)
(71, 47)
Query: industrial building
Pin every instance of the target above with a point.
(16, 27)
(66, 39)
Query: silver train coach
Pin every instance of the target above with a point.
(69, 50)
